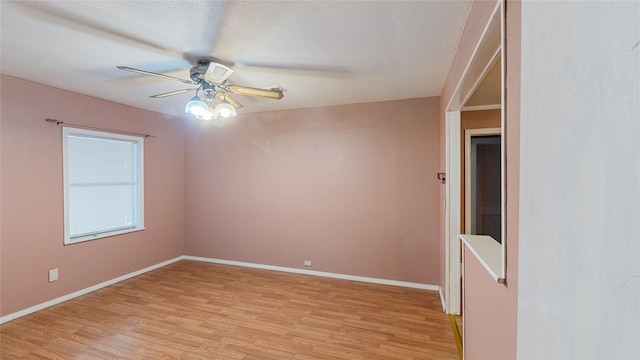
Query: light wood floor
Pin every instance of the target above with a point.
(197, 310)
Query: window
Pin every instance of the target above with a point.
(103, 184)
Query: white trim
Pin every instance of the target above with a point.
(482, 54)
(487, 251)
(317, 273)
(444, 304)
(482, 107)
(452, 220)
(503, 147)
(85, 291)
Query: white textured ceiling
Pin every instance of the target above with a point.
(322, 52)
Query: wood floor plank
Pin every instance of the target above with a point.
(196, 310)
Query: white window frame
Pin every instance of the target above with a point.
(138, 204)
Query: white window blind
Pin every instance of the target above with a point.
(103, 184)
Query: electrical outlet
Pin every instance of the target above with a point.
(307, 263)
(53, 275)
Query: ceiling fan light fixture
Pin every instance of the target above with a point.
(208, 115)
(224, 109)
(196, 107)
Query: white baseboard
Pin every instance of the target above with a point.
(444, 304)
(64, 298)
(318, 273)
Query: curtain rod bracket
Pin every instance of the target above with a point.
(58, 122)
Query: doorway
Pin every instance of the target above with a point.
(483, 198)
(480, 88)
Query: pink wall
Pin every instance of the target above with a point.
(352, 188)
(491, 308)
(32, 204)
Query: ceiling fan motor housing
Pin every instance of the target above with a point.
(210, 71)
(197, 73)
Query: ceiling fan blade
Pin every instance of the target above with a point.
(54, 14)
(297, 68)
(176, 92)
(231, 100)
(249, 91)
(144, 72)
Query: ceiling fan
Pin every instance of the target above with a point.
(210, 77)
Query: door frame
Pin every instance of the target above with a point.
(468, 173)
(487, 52)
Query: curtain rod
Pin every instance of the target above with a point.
(58, 122)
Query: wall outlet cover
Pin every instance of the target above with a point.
(53, 275)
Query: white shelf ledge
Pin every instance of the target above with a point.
(489, 253)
